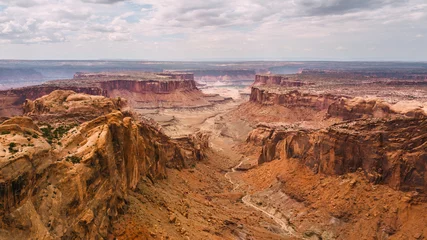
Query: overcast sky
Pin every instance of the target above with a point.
(214, 29)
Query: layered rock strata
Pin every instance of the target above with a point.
(391, 152)
(355, 108)
(278, 80)
(73, 188)
(291, 99)
(67, 107)
(142, 90)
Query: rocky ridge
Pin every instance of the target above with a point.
(74, 187)
(391, 152)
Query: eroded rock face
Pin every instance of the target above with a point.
(349, 109)
(66, 106)
(291, 99)
(11, 100)
(75, 188)
(141, 89)
(278, 80)
(392, 152)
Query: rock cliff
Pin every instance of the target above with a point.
(74, 187)
(391, 151)
(349, 109)
(291, 99)
(278, 80)
(141, 89)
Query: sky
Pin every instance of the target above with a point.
(390, 30)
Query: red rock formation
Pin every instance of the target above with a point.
(291, 99)
(280, 80)
(157, 87)
(349, 109)
(11, 100)
(72, 108)
(392, 152)
(142, 90)
(74, 189)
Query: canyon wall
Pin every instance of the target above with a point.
(391, 152)
(74, 188)
(355, 108)
(157, 87)
(279, 80)
(142, 90)
(291, 99)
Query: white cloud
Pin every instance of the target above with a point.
(218, 28)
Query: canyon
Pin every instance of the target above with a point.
(335, 154)
(142, 90)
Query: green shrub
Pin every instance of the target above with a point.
(12, 149)
(52, 135)
(73, 159)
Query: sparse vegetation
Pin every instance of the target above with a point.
(5, 132)
(53, 135)
(12, 149)
(73, 159)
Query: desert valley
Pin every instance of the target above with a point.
(256, 150)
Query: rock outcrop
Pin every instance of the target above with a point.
(291, 99)
(141, 89)
(67, 107)
(75, 187)
(391, 152)
(349, 109)
(278, 80)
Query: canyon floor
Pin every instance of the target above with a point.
(230, 196)
(205, 201)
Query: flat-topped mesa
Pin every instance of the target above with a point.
(146, 90)
(291, 99)
(141, 89)
(278, 80)
(140, 82)
(135, 75)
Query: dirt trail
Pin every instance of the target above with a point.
(247, 201)
(223, 145)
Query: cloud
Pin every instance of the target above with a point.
(119, 37)
(103, 1)
(216, 28)
(331, 7)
